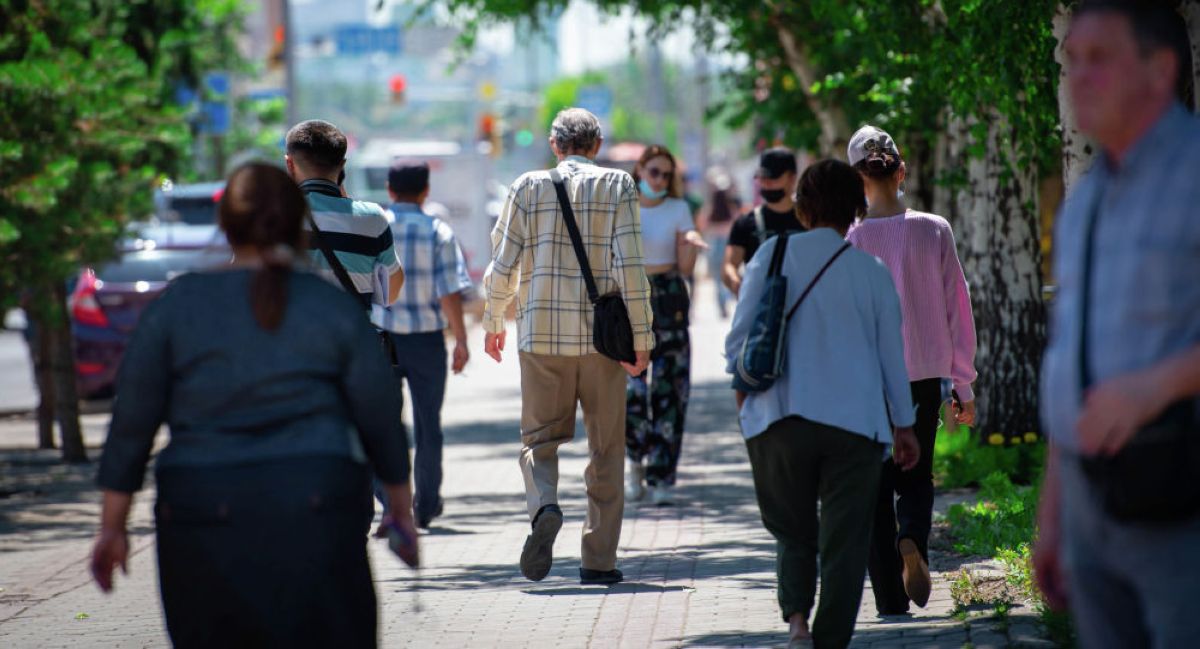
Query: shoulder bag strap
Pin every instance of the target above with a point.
(334, 263)
(573, 229)
(813, 283)
(776, 267)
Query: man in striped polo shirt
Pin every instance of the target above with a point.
(356, 231)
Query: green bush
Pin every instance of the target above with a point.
(1002, 518)
(962, 459)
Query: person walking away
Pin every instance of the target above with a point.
(656, 407)
(939, 344)
(431, 301)
(259, 490)
(819, 433)
(715, 221)
(533, 254)
(776, 177)
(356, 232)
(1119, 519)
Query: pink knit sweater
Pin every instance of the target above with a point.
(939, 329)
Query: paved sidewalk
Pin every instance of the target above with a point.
(699, 574)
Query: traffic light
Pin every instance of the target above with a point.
(275, 55)
(489, 131)
(398, 84)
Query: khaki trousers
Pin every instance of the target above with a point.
(550, 388)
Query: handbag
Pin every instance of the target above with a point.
(612, 334)
(761, 360)
(385, 339)
(1152, 479)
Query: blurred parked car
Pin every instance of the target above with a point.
(185, 216)
(107, 300)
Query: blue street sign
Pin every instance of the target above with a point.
(597, 100)
(358, 40)
(217, 83)
(213, 118)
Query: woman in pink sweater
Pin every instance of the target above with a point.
(939, 344)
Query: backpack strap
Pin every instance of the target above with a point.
(776, 267)
(760, 225)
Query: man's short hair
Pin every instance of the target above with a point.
(319, 145)
(575, 130)
(407, 178)
(1155, 24)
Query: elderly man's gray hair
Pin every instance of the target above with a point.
(575, 130)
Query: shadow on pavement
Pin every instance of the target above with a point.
(623, 588)
(734, 639)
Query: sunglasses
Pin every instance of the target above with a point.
(655, 174)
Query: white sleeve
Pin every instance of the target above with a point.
(683, 217)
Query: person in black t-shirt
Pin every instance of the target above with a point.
(777, 180)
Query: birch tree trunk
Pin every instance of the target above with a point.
(997, 220)
(1077, 151)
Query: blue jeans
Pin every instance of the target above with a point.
(422, 360)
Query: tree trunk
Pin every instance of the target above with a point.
(998, 241)
(1077, 150)
(835, 128)
(39, 352)
(949, 162)
(1191, 13)
(62, 361)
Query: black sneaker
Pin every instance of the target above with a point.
(538, 554)
(602, 577)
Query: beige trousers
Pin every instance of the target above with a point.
(550, 388)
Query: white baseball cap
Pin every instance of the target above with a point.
(870, 139)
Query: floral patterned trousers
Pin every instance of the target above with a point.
(656, 401)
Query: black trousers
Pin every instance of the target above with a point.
(796, 464)
(905, 507)
(266, 555)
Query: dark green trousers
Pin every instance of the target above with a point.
(798, 463)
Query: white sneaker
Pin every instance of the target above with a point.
(661, 495)
(635, 480)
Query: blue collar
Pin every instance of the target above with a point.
(1155, 141)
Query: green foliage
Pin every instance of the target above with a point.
(89, 125)
(962, 459)
(1003, 517)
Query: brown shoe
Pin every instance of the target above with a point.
(915, 573)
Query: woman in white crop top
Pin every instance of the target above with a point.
(655, 407)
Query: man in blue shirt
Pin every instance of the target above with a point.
(432, 299)
(1125, 334)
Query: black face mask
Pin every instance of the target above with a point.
(772, 195)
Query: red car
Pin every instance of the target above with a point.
(107, 300)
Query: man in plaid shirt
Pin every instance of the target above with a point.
(431, 301)
(534, 262)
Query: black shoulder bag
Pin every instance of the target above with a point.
(612, 334)
(1152, 479)
(335, 264)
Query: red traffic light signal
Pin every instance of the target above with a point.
(398, 84)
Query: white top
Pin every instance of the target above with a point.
(659, 226)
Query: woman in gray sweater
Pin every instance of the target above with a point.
(277, 395)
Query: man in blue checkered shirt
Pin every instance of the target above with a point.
(432, 299)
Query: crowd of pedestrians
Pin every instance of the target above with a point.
(280, 376)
